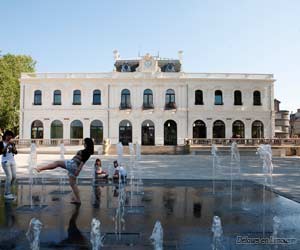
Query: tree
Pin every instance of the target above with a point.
(11, 67)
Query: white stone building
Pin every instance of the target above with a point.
(148, 100)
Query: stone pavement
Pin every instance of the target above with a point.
(286, 175)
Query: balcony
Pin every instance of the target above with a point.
(124, 106)
(170, 105)
(147, 106)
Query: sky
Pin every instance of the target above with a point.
(237, 36)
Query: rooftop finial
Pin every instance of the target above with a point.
(116, 54)
(180, 55)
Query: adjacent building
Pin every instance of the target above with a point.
(295, 124)
(148, 99)
(282, 121)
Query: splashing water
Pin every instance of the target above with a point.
(95, 236)
(33, 233)
(265, 153)
(276, 226)
(138, 151)
(157, 236)
(215, 160)
(62, 151)
(235, 154)
(32, 165)
(217, 234)
(120, 152)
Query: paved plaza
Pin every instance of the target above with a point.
(286, 174)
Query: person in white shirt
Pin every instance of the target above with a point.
(119, 170)
(8, 150)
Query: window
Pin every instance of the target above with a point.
(37, 130)
(97, 97)
(96, 131)
(199, 129)
(148, 99)
(256, 98)
(219, 129)
(198, 97)
(170, 99)
(238, 129)
(238, 97)
(57, 97)
(148, 133)
(37, 97)
(76, 97)
(56, 130)
(125, 132)
(125, 99)
(218, 97)
(257, 129)
(76, 131)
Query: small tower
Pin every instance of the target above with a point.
(116, 54)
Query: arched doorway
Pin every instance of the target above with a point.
(148, 133)
(170, 133)
(56, 130)
(238, 129)
(76, 131)
(125, 132)
(257, 129)
(37, 130)
(96, 131)
(219, 129)
(199, 129)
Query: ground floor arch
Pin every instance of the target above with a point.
(37, 130)
(257, 129)
(76, 130)
(56, 129)
(199, 129)
(96, 131)
(125, 132)
(170, 132)
(238, 129)
(219, 129)
(148, 133)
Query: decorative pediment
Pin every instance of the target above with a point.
(148, 64)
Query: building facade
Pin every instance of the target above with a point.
(149, 100)
(282, 121)
(295, 124)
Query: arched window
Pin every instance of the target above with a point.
(125, 99)
(97, 97)
(76, 131)
(125, 132)
(198, 97)
(256, 98)
(238, 98)
(219, 129)
(37, 130)
(199, 129)
(148, 99)
(257, 129)
(170, 133)
(170, 99)
(56, 130)
(238, 129)
(37, 97)
(96, 131)
(77, 97)
(148, 133)
(218, 97)
(57, 97)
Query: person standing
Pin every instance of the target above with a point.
(8, 151)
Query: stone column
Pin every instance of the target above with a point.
(66, 128)
(86, 128)
(248, 129)
(228, 129)
(47, 129)
(209, 129)
(159, 132)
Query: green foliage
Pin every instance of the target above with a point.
(11, 67)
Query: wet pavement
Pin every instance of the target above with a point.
(184, 207)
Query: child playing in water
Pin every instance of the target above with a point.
(73, 166)
(119, 170)
(99, 173)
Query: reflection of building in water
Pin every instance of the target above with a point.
(149, 100)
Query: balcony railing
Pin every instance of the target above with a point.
(148, 106)
(170, 105)
(125, 106)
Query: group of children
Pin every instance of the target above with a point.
(120, 171)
